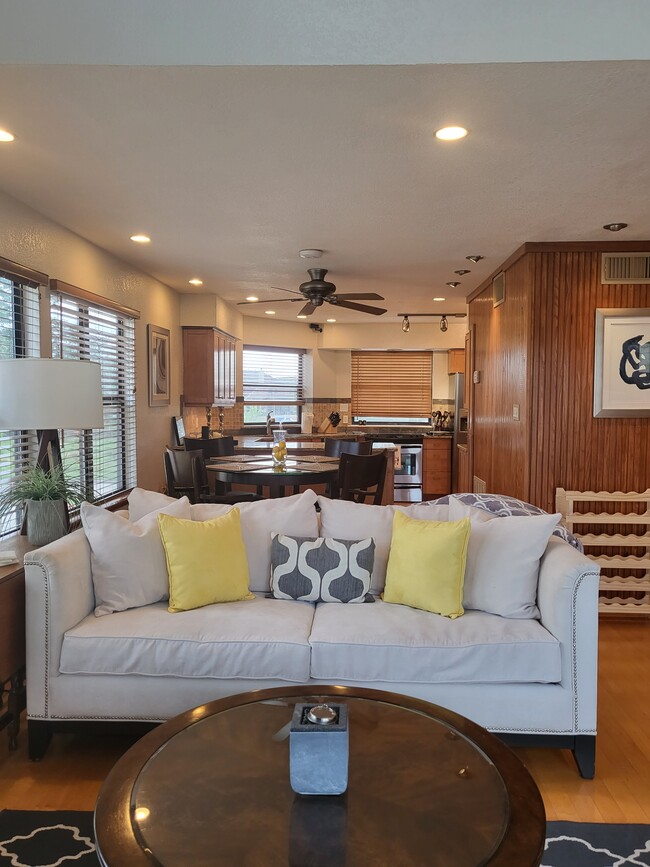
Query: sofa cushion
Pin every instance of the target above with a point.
(320, 569)
(127, 559)
(503, 560)
(342, 519)
(295, 516)
(258, 639)
(396, 644)
(206, 561)
(426, 565)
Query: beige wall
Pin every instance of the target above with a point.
(33, 240)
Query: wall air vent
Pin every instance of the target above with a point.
(626, 268)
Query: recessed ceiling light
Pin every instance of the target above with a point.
(252, 298)
(615, 227)
(453, 283)
(331, 320)
(310, 254)
(6, 136)
(462, 271)
(196, 282)
(475, 259)
(439, 299)
(451, 133)
(301, 316)
(270, 312)
(141, 239)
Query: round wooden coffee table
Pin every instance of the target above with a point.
(426, 787)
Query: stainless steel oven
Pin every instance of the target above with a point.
(408, 478)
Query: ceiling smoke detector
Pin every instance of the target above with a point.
(310, 254)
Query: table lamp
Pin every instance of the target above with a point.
(49, 394)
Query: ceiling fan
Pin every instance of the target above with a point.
(317, 290)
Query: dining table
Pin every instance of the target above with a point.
(260, 471)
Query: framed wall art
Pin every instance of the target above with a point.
(158, 350)
(622, 363)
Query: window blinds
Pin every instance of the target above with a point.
(19, 338)
(391, 384)
(272, 378)
(103, 460)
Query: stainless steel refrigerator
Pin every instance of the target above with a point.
(459, 435)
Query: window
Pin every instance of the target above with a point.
(392, 387)
(19, 338)
(103, 460)
(272, 382)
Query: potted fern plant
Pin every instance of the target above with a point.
(44, 494)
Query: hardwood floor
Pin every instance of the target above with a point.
(70, 775)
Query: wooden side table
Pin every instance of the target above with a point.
(12, 637)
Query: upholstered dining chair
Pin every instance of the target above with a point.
(334, 447)
(363, 476)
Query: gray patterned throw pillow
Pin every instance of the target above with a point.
(321, 570)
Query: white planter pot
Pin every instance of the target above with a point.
(46, 521)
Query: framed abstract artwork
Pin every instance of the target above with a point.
(158, 351)
(622, 363)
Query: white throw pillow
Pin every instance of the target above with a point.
(290, 516)
(142, 502)
(503, 560)
(343, 519)
(127, 559)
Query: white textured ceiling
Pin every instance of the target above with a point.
(233, 169)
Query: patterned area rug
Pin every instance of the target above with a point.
(58, 839)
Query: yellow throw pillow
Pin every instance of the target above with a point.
(426, 564)
(206, 561)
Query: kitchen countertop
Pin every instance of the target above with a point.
(253, 444)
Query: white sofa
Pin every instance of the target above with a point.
(531, 680)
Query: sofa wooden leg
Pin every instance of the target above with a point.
(584, 752)
(39, 734)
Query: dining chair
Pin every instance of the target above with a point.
(334, 447)
(185, 475)
(360, 474)
(216, 447)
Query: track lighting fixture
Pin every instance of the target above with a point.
(444, 324)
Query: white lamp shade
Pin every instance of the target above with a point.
(50, 393)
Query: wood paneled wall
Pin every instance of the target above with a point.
(500, 442)
(537, 350)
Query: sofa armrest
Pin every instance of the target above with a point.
(567, 596)
(58, 594)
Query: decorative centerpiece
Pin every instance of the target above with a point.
(279, 452)
(318, 749)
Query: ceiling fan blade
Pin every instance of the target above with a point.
(360, 296)
(362, 308)
(282, 289)
(307, 310)
(268, 300)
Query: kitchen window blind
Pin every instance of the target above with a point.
(391, 384)
(272, 382)
(19, 338)
(103, 460)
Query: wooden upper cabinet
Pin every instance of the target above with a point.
(456, 361)
(208, 367)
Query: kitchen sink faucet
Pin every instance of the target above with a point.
(269, 421)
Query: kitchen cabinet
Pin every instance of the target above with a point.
(208, 367)
(436, 467)
(456, 361)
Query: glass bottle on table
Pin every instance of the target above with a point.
(279, 451)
